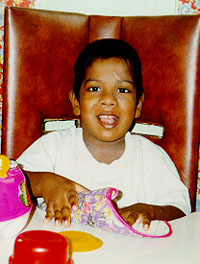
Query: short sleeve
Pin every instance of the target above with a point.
(163, 184)
(42, 154)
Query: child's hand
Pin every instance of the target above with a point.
(140, 213)
(145, 213)
(59, 193)
(60, 196)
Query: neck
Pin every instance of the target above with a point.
(106, 152)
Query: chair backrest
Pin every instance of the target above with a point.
(42, 46)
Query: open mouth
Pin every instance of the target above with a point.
(108, 121)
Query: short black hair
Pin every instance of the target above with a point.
(105, 49)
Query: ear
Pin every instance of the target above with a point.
(75, 103)
(139, 107)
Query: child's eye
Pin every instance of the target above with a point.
(123, 90)
(94, 89)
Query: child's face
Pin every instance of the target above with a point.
(107, 101)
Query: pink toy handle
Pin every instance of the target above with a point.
(111, 195)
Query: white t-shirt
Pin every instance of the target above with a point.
(144, 173)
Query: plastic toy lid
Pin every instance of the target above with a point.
(44, 247)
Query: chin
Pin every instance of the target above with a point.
(110, 137)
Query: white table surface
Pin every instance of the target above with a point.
(182, 247)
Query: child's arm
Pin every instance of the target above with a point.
(145, 213)
(59, 193)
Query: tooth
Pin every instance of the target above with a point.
(107, 116)
(109, 119)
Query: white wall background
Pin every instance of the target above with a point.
(111, 7)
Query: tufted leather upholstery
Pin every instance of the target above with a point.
(41, 48)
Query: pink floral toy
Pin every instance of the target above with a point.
(96, 209)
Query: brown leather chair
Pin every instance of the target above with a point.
(42, 46)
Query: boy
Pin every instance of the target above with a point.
(108, 96)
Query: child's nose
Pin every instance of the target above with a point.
(108, 99)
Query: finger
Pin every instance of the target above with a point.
(72, 199)
(146, 221)
(66, 216)
(49, 213)
(58, 218)
(132, 218)
(57, 215)
(124, 213)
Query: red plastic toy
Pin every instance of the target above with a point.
(44, 247)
